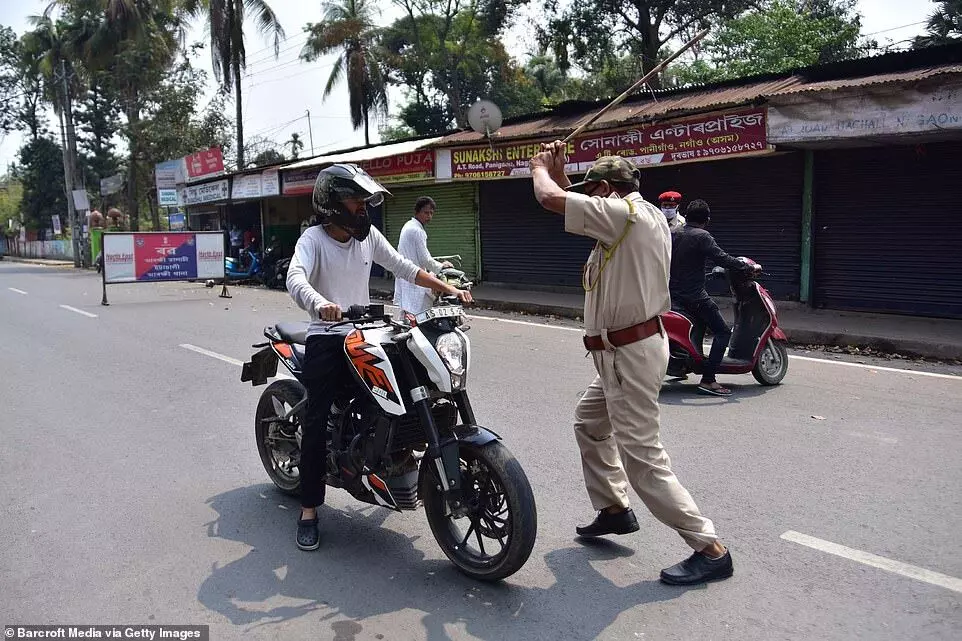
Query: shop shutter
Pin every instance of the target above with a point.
(454, 229)
(756, 211)
(525, 244)
(887, 229)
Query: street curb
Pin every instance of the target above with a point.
(882, 344)
(46, 262)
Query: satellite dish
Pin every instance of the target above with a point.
(484, 117)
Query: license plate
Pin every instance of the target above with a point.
(447, 311)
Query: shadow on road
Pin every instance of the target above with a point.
(364, 569)
(686, 393)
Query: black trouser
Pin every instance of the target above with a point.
(325, 370)
(706, 310)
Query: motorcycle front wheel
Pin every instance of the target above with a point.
(279, 439)
(496, 535)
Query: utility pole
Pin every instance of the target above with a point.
(68, 168)
(310, 131)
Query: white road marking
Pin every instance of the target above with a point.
(953, 377)
(876, 367)
(281, 372)
(19, 291)
(207, 352)
(517, 322)
(78, 311)
(880, 562)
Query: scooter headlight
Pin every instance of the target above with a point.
(451, 349)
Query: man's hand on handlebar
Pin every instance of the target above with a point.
(446, 264)
(461, 294)
(329, 312)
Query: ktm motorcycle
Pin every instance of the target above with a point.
(402, 433)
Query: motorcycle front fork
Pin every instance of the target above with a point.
(443, 455)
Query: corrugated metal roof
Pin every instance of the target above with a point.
(367, 153)
(662, 105)
(915, 75)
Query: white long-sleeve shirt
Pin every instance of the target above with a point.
(413, 245)
(324, 270)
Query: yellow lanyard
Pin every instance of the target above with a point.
(606, 254)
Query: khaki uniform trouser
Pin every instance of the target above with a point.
(617, 429)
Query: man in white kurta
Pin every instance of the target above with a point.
(413, 245)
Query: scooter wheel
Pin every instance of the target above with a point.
(772, 365)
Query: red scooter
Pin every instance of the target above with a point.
(757, 344)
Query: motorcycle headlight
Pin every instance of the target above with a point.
(451, 349)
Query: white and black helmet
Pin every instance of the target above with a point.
(336, 183)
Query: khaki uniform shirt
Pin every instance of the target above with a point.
(633, 286)
(676, 223)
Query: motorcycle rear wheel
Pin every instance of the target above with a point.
(279, 440)
(501, 510)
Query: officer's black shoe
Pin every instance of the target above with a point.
(699, 568)
(308, 538)
(608, 523)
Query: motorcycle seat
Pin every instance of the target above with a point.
(293, 332)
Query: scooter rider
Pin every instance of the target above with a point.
(330, 271)
(692, 245)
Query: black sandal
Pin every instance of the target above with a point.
(308, 538)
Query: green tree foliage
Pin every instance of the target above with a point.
(779, 35)
(349, 30)
(225, 23)
(944, 26)
(98, 120)
(607, 37)
(296, 144)
(11, 193)
(448, 54)
(40, 171)
(9, 79)
(268, 157)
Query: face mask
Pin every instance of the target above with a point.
(669, 212)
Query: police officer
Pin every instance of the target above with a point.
(669, 202)
(617, 419)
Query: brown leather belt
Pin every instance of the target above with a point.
(625, 336)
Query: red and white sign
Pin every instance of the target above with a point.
(162, 256)
(299, 181)
(702, 138)
(204, 164)
(416, 165)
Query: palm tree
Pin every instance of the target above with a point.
(225, 23)
(547, 75)
(52, 45)
(295, 143)
(944, 26)
(349, 30)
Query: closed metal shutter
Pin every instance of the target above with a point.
(454, 229)
(524, 244)
(756, 211)
(887, 229)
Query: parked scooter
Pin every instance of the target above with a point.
(757, 345)
(274, 267)
(247, 267)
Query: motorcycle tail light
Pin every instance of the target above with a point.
(284, 350)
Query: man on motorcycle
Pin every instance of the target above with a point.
(330, 271)
(692, 245)
(617, 422)
(413, 245)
